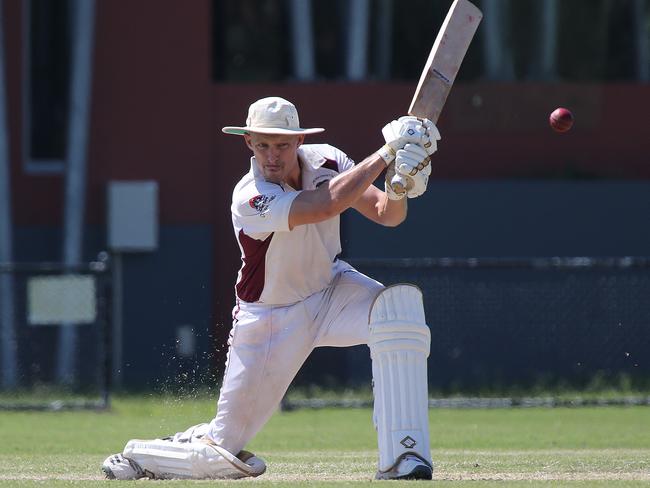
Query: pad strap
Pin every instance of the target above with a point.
(199, 458)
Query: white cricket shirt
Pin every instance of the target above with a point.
(279, 266)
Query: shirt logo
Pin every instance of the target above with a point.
(261, 203)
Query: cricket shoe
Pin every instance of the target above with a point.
(117, 467)
(410, 467)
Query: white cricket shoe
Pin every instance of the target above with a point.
(117, 467)
(411, 467)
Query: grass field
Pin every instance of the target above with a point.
(602, 446)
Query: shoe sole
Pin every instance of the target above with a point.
(109, 474)
(419, 473)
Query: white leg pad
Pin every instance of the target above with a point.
(191, 458)
(399, 347)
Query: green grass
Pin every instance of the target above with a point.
(581, 447)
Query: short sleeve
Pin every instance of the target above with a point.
(263, 212)
(345, 163)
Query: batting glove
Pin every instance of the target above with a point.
(431, 136)
(413, 165)
(400, 132)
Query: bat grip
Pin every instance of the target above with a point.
(398, 184)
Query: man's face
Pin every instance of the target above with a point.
(276, 155)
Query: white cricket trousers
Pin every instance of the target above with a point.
(269, 344)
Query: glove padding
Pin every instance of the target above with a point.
(432, 136)
(413, 165)
(408, 129)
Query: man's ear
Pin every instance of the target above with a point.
(301, 140)
(249, 142)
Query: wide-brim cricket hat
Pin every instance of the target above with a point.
(272, 115)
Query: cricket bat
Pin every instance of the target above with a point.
(442, 66)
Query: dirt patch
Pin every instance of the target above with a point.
(440, 476)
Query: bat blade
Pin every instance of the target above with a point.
(444, 60)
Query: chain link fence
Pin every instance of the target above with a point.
(502, 323)
(54, 323)
(511, 332)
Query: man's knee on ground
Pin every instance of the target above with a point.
(200, 459)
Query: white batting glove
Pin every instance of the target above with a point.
(397, 133)
(431, 136)
(413, 164)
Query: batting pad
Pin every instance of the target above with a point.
(399, 346)
(200, 459)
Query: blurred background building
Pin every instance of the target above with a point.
(110, 117)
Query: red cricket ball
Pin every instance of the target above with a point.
(561, 119)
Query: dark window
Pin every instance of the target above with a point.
(596, 39)
(329, 39)
(583, 38)
(622, 49)
(48, 72)
(250, 40)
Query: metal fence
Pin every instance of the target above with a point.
(512, 328)
(55, 345)
(501, 323)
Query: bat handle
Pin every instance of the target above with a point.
(398, 184)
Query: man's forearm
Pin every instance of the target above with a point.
(392, 212)
(346, 188)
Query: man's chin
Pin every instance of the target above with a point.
(273, 178)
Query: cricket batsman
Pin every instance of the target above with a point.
(294, 294)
